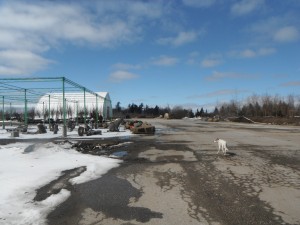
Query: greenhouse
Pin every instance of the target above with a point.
(51, 99)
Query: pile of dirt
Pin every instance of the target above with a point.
(241, 119)
(278, 120)
(266, 120)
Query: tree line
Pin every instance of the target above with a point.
(262, 106)
(253, 106)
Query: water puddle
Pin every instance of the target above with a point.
(118, 154)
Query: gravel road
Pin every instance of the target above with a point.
(176, 177)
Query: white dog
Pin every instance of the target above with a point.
(222, 145)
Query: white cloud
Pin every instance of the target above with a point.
(252, 53)
(198, 3)
(212, 60)
(17, 62)
(248, 53)
(266, 51)
(183, 37)
(275, 29)
(246, 6)
(216, 76)
(165, 61)
(38, 26)
(218, 93)
(120, 75)
(193, 58)
(125, 66)
(286, 34)
(50, 23)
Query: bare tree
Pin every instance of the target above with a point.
(266, 105)
(38, 113)
(52, 113)
(69, 111)
(61, 111)
(57, 112)
(46, 115)
(291, 105)
(31, 113)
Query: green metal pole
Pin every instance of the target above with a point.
(10, 113)
(64, 110)
(77, 113)
(84, 107)
(110, 110)
(3, 124)
(97, 111)
(104, 110)
(49, 113)
(25, 113)
(43, 113)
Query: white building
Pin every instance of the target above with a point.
(75, 103)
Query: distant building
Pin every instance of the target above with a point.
(75, 104)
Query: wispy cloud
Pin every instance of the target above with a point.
(291, 84)
(217, 93)
(252, 53)
(287, 34)
(276, 29)
(245, 7)
(182, 38)
(121, 75)
(216, 76)
(198, 3)
(125, 66)
(212, 60)
(165, 61)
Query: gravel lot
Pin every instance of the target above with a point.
(176, 177)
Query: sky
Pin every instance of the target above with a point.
(26, 167)
(189, 53)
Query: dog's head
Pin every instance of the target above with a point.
(216, 140)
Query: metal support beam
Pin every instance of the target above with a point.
(10, 114)
(25, 110)
(3, 124)
(49, 113)
(97, 117)
(77, 113)
(84, 107)
(64, 109)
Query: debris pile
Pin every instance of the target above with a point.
(98, 148)
(88, 131)
(41, 129)
(20, 128)
(140, 127)
(241, 119)
(114, 126)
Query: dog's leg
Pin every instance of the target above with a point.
(225, 149)
(219, 148)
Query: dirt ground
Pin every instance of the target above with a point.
(176, 177)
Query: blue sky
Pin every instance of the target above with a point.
(190, 53)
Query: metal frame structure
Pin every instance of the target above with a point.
(22, 92)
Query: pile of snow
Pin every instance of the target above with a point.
(26, 167)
